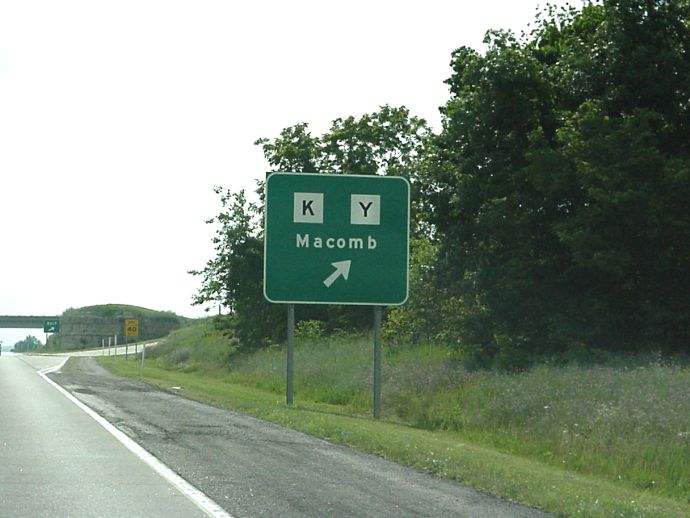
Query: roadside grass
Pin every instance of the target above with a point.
(577, 441)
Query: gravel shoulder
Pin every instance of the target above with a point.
(254, 468)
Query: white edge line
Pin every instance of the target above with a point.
(202, 501)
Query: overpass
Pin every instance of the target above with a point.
(24, 322)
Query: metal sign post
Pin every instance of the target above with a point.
(131, 329)
(143, 356)
(290, 353)
(378, 311)
(336, 239)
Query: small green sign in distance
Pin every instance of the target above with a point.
(336, 239)
(51, 326)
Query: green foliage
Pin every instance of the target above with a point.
(309, 330)
(295, 150)
(549, 214)
(421, 319)
(330, 370)
(389, 141)
(234, 277)
(625, 424)
(30, 343)
(199, 347)
(561, 183)
(115, 310)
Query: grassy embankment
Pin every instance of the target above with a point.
(603, 441)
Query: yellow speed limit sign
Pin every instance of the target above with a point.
(131, 327)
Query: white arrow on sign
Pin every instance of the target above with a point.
(341, 268)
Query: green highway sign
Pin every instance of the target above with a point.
(336, 239)
(51, 326)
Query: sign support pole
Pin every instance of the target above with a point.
(143, 356)
(378, 310)
(290, 352)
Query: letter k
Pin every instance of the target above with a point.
(306, 206)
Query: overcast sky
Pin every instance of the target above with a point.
(117, 119)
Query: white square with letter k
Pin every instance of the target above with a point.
(308, 207)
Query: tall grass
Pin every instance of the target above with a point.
(199, 347)
(627, 422)
(326, 371)
(625, 425)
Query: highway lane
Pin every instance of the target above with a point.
(57, 461)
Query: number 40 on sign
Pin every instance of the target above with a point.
(131, 327)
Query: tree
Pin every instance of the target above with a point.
(30, 343)
(233, 278)
(387, 142)
(560, 184)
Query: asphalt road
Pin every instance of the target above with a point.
(253, 468)
(57, 461)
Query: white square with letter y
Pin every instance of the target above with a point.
(365, 209)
